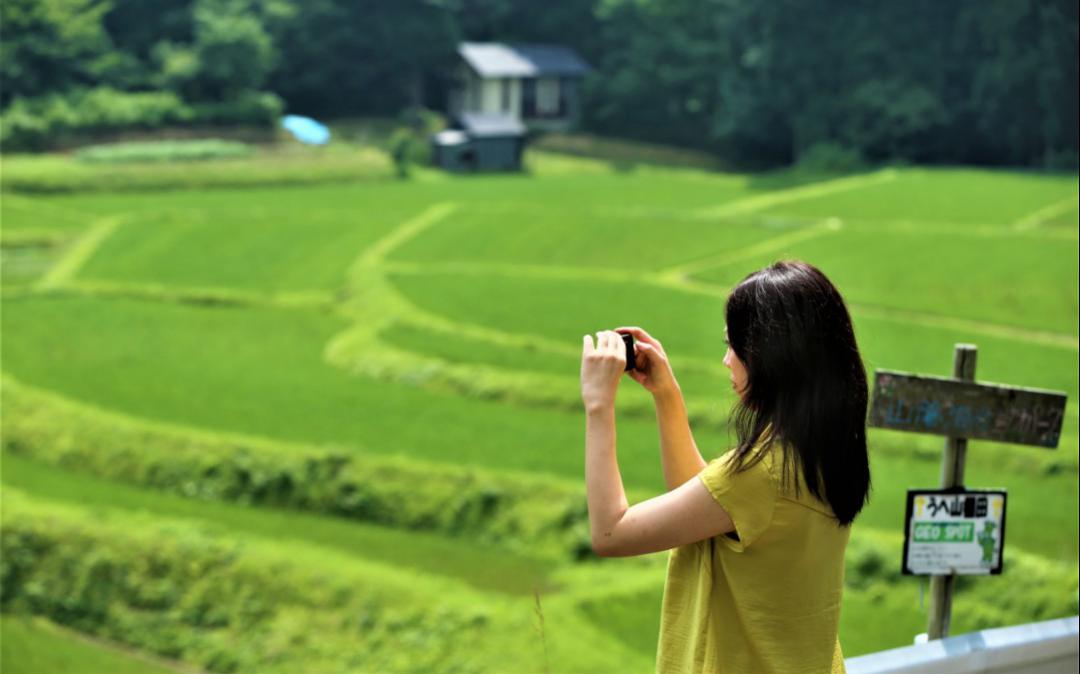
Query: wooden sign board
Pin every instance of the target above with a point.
(967, 409)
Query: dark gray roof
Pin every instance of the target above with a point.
(495, 59)
(490, 124)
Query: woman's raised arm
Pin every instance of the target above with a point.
(679, 454)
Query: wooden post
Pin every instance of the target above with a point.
(952, 475)
(960, 409)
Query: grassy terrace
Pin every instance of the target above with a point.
(33, 645)
(439, 320)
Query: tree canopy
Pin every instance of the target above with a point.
(987, 81)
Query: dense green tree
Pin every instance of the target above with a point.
(923, 80)
(136, 28)
(50, 45)
(657, 69)
(984, 81)
(231, 53)
(573, 22)
(362, 57)
(1023, 78)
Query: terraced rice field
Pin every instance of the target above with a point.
(428, 334)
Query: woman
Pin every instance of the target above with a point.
(757, 536)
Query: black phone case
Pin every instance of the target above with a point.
(628, 340)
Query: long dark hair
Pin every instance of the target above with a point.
(790, 327)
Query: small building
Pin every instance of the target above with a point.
(536, 85)
(481, 142)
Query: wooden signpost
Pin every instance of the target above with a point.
(962, 409)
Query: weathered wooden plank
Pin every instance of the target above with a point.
(924, 404)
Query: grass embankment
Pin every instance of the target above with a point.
(53, 174)
(624, 154)
(484, 566)
(536, 516)
(1029, 589)
(244, 603)
(164, 151)
(35, 645)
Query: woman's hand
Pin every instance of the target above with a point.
(601, 368)
(653, 369)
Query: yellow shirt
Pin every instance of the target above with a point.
(767, 603)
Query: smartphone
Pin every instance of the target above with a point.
(628, 340)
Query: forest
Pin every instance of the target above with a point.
(991, 82)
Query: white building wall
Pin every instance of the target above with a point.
(486, 95)
(515, 98)
(492, 96)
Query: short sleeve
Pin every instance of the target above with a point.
(749, 498)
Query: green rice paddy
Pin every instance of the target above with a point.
(411, 318)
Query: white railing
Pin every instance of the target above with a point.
(1049, 647)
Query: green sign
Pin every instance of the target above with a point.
(944, 532)
(954, 531)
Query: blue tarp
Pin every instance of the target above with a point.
(306, 129)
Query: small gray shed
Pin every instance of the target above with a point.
(481, 142)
